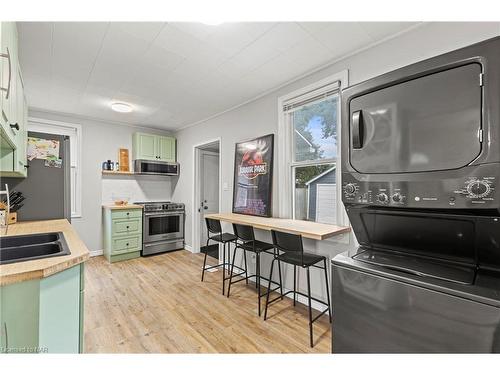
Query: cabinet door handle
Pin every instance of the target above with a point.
(127, 226)
(128, 213)
(7, 90)
(15, 126)
(126, 244)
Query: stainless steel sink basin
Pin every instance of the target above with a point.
(32, 246)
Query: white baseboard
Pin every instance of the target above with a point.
(96, 253)
(188, 247)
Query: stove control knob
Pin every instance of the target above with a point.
(397, 198)
(350, 189)
(478, 188)
(382, 198)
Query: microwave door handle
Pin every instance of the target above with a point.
(357, 130)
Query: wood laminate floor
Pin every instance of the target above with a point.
(159, 305)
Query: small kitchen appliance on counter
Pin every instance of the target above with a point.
(163, 227)
(420, 180)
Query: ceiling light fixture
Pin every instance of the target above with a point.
(121, 107)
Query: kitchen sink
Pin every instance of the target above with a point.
(32, 246)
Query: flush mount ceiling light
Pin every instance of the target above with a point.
(121, 107)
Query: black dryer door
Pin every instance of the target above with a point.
(425, 124)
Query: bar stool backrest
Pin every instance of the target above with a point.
(213, 226)
(244, 232)
(287, 242)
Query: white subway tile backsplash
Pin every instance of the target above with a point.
(136, 188)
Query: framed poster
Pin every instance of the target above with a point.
(253, 176)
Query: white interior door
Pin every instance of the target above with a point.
(326, 203)
(209, 189)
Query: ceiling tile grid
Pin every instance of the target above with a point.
(176, 74)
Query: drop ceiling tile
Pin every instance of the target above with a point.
(380, 30)
(63, 97)
(278, 39)
(36, 88)
(314, 27)
(162, 58)
(231, 38)
(118, 61)
(342, 38)
(308, 54)
(177, 41)
(35, 47)
(274, 72)
(75, 49)
(197, 30)
(145, 31)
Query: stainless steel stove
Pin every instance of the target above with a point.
(163, 226)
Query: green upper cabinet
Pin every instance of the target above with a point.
(8, 42)
(166, 149)
(145, 146)
(14, 108)
(154, 147)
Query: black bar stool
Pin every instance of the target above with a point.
(290, 250)
(215, 234)
(247, 242)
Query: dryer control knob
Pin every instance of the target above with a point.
(478, 188)
(350, 189)
(382, 198)
(397, 198)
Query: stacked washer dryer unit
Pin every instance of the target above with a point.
(421, 186)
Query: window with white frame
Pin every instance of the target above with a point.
(73, 131)
(310, 140)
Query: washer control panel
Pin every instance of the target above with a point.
(468, 192)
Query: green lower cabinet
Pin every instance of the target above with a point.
(43, 315)
(122, 233)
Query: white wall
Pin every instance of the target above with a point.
(101, 141)
(261, 116)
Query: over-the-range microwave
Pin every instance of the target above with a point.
(156, 167)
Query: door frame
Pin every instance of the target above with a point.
(196, 190)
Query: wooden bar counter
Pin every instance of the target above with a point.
(308, 229)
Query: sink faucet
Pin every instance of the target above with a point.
(4, 217)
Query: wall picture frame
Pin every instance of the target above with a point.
(253, 176)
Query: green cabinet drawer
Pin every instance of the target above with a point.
(126, 214)
(124, 227)
(126, 244)
(122, 233)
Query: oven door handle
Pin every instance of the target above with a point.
(164, 242)
(174, 213)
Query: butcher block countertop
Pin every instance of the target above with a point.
(308, 229)
(36, 269)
